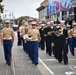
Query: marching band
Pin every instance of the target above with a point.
(56, 39)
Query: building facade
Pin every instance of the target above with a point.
(42, 10)
(59, 10)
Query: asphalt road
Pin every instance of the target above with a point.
(56, 68)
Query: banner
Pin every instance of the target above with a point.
(55, 6)
(73, 3)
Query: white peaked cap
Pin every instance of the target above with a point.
(23, 21)
(26, 23)
(67, 25)
(43, 24)
(51, 21)
(33, 23)
(7, 21)
(74, 24)
(48, 22)
(62, 21)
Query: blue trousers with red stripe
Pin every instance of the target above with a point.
(7, 44)
(34, 51)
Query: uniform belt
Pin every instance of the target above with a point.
(34, 40)
(7, 39)
(74, 36)
(70, 37)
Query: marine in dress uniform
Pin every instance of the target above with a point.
(28, 41)
(72, 32)
(35, 37)
(69, 39)
(22, 32)
(7, 37)
(25, 37)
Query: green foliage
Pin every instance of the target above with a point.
(1, 20)
(20, 19)
(1, 0)
(1, 8)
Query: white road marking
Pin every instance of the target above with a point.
(74, 67)
(48, 59)
(55, 59)
(69, 73)
(72, 59)
(71, 68)
(50, 71)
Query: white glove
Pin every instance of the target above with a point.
(52, 44)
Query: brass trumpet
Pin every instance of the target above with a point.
(60, 32)
(30, 37)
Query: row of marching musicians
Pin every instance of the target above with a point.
(31, 37)
(55, 39)
(58, 38)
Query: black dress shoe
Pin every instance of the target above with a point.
(9, 64)
(66, 63)
(73, 54)
(60, 61)
(49, 54)
(36, 63)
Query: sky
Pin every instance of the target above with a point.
(21, 7)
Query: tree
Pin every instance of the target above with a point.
(1, 0)
(1, 20)
(1, 8)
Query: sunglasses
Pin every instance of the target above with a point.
(7, 23)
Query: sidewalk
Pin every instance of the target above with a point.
(4, 69)
(22, 65)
